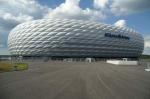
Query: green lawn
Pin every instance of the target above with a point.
(145, 58)
(20, 66)
(7, 66)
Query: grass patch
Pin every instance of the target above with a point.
(145, 58)
(6, 66)
(20, 66)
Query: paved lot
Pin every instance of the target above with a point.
(72, 80)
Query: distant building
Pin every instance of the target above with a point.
(74, 38)
(5, 57)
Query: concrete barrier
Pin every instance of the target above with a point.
(122, 62)
(148, 67)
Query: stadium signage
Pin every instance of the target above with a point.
(117, 36)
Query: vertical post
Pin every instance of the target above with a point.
(148, 65)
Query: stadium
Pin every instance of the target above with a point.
(74, 39)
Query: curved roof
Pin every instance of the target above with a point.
(65, 37)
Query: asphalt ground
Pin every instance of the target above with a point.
(76, 80)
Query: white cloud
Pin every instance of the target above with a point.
(71, 9)
(147, 45)
(147, 42)
(20, 18)
(101, 3)
(124, 7)
(13, 12)
(24, 7)
(120, 23)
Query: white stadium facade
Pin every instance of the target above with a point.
(74, 38)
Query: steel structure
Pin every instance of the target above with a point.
(74, 38)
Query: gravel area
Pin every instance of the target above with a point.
(76, 80)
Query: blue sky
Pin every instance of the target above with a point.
(125, 13)
(133, 20)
